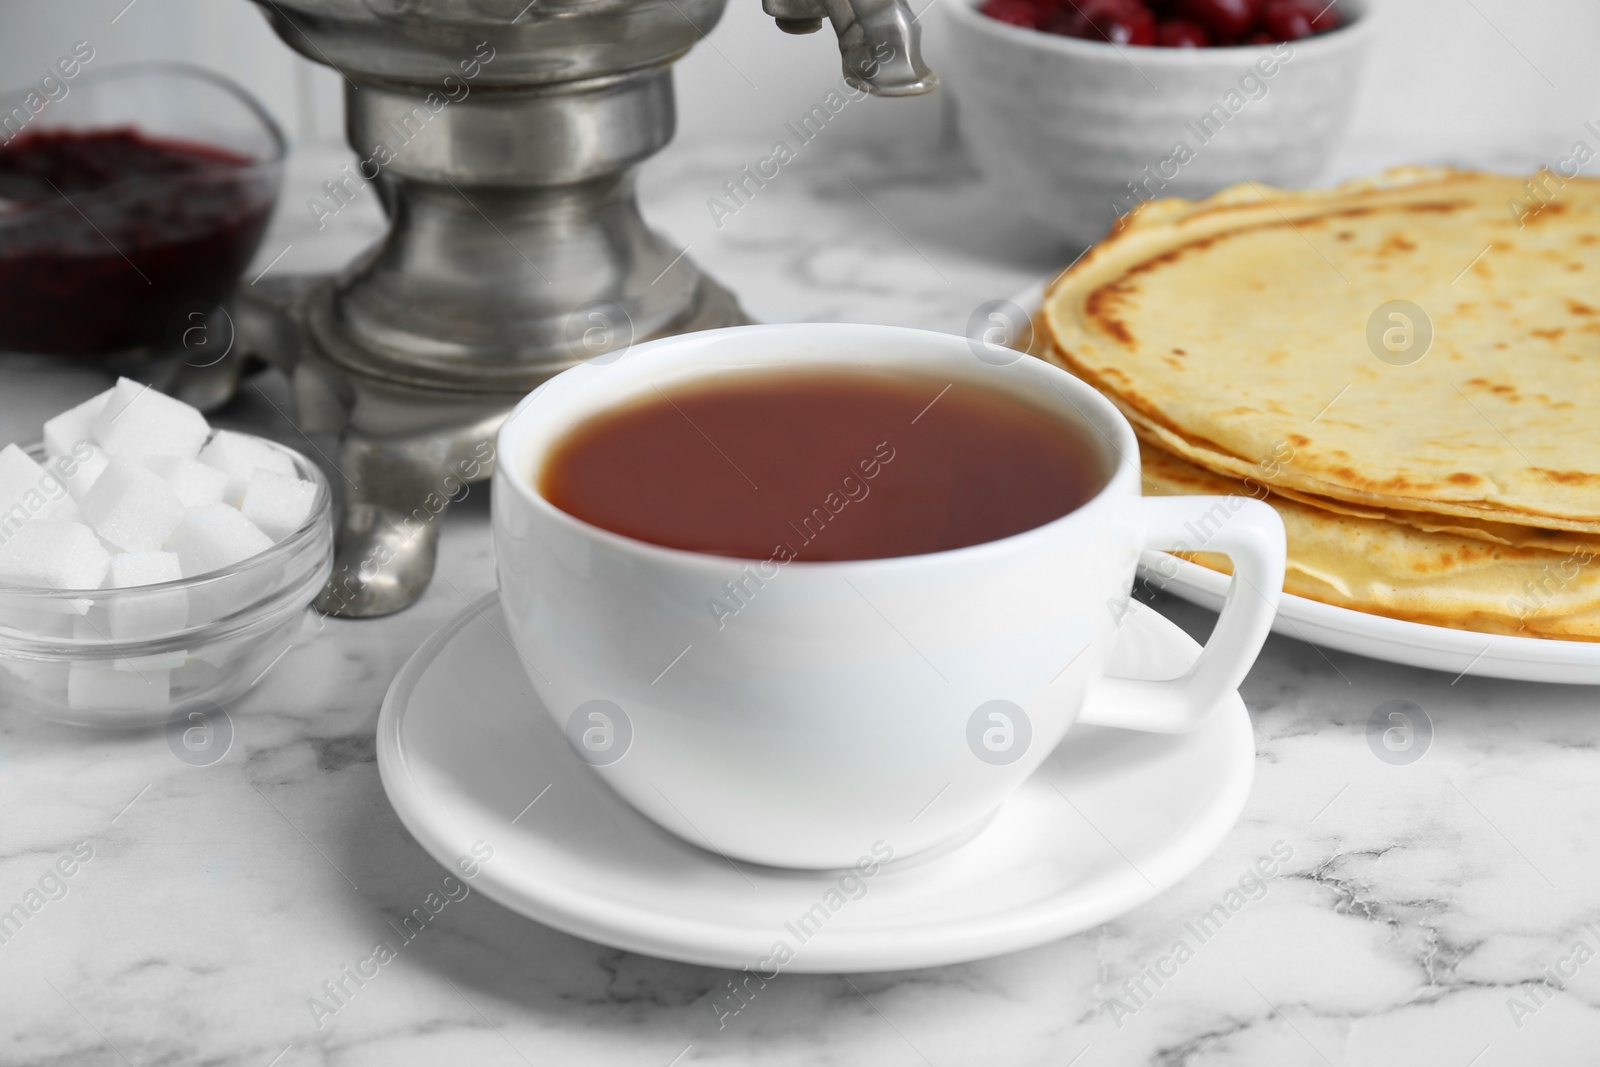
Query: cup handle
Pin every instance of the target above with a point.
(1251, 534)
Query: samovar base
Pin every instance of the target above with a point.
(405, 450)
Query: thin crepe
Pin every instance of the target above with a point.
(1234, 332)
(1396, 570)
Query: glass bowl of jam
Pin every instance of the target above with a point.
(140, 193)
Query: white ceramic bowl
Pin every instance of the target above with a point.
(60, 660)
(1078, 132)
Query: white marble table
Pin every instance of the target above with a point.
(1432, 913)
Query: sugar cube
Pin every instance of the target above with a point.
(238, 456)
(45, 616)
(143, 568)
(98, 633)
(73, 425)
(38, 673)
(93, 685)
(35, 620)
(195, 483)
(215, 536)
(88, 629)
(54, 555)
(132, 507)
(140, 615)
(79, 468)
(277, 503)
(28, 493)
(138, 422)
(159, 661)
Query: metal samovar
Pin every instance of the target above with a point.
(502, 137)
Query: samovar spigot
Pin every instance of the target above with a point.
(879, 41)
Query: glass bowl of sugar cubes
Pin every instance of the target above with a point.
(150, 565)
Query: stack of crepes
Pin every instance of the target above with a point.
(1251, 340)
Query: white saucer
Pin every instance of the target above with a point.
(1109, 821)
(1413, 644)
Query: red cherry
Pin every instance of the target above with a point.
(1286, 23)
(1290, 20)
(1224, 18)
(1181, 33)
(1259, 37)
(1025, 13)
(1116, 21)
(1326, 18)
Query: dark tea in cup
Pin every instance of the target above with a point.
(822, 464)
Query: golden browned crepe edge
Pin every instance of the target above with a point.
(1557, 535)
(1499, 533)
(1168, 474)
(1199, 219)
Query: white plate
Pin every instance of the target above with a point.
(1109, 821)
(1415, 644)
(1528, 659)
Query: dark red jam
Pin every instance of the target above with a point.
(105, 234)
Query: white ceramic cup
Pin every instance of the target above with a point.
(845, 704)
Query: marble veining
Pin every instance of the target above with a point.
(1442, 911)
